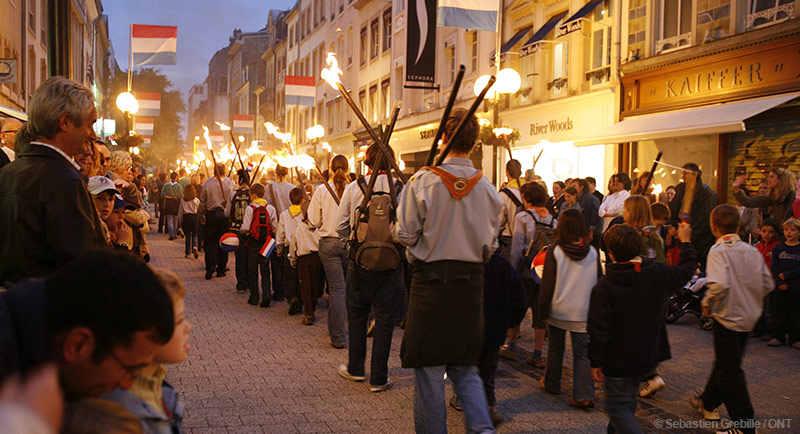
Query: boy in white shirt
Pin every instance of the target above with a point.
(258, 225)
(286, 228)
(304, 257)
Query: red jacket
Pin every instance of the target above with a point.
(766, 250)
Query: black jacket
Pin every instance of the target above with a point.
(24, 338)
(704, 201)
(47, 216)
(626, 326)
(504, 298)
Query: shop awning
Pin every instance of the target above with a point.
(533, 43)
(716, 119)
(7, 112)
(516, 38)
(573, 23)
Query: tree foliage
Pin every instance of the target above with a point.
(166, 143)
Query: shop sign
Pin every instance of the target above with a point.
(567, 28)
(8, 70)
(552, 126)
(746, 72)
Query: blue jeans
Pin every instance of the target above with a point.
(582, 384)
(621, 404)
(383, 289)
(189, 225)
(430, 410)
(172, 223)
(334, 261)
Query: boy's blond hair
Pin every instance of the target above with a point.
(99, 416)
(171, 282)
(791, 222)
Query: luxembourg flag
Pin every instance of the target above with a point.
(154, 45)
(268, 247)
(216, 137)
(149, 103)
(300, 90)
(144, 126)
(243, 123)
(469, 14)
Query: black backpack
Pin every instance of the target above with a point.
(545, 236)
(239, 204)
(514, 199)
(372, 246)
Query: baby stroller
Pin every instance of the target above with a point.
(687, 300)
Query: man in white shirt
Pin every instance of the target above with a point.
(612, 204)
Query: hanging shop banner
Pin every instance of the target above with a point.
(421, 42)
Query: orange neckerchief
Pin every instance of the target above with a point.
(458, 187)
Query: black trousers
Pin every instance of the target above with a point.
(276, 265)
(290, 287)
(727, 384)
(256, 263)
(216, 258)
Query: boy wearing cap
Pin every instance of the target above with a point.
(110, 206)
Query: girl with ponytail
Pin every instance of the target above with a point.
(339, 166)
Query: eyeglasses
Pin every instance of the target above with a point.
(10, 131)
(133, 371)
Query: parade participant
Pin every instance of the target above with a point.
(444, 325)
(304, 257)
(213, 201)
(379, 291)
(162, 218)
(512, 203)
(151, 399)
(571, 269)
(737, 280)
(259, 223)
(283, 236)
(187, 215)
(185, 178)
(171, 193)
(237, 207)
(626, 324)
(278, 189)
(323, 213)
(785, 267)
(44, 184)
(618, 190)
(100, 318)
(778, 201)
(703, 201)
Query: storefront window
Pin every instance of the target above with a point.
(559, 161)
(701, 150)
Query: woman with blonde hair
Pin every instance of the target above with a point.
(637, 214)
(121, 170)
(780, 198)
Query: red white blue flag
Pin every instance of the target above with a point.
(243, 123)
(149, 103)
(154, 45)
(300, 90)
(144, 126)
(268, 247)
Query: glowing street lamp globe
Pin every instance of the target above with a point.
(127, 103)
(315, 132)
(508, 82)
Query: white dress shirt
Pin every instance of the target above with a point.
(611, 207)
(248, 215)
(63, 154)
(351, 201)
(323, 212)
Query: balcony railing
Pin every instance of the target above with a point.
(673, 42)
(770, 15)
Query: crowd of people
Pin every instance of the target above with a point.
(447, 257)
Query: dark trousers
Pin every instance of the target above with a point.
(216, 258)
(785, 316)
(162, 218)
(290, 287)
(189, 225)
(365, 289)
(487, 367)
(309, 274)
(241, 255)
(621, 404)
(255, 263)
(727, 384)
(276, 265)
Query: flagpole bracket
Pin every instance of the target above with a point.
(435, 87)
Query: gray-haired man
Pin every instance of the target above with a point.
(47, 216)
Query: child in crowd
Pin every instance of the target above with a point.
(304, 257)
(626, 324)
(257, 229)
(737, 280)
(786, 299)
(636, 213)
(769, 240)
(672, 243)
(286, 227)
(152, 399)
(187, 216)
(571, 269)
(536, 216)
(660, 213)
(103, 192)
(570, 200)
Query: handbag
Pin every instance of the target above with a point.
(171, 205)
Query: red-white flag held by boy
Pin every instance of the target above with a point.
(268, 247)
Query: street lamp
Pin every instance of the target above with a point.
(129, 105)
(508, 82)
(315, 133)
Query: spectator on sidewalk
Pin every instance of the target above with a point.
(626, 325)
(737, 280)
(448, 217)
(100, 318)
(8, 132)
(786, 299)
(618, 190)
(44, 185)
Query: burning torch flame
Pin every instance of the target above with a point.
(208, 139)
(401, 164)
(657, 189)
(304, 161)
(503, 131)
(271, 129)
(222, 126)
(332, 72)
(327, 147)
(484, 122)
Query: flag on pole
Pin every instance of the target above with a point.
(144, 126)
(149, 103)
(243, 123)
(300, 90)
(146, 140)
(469, 14)
(268, 247)
(154, 45)
(216, 137)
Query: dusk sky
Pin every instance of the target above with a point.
(203, 28)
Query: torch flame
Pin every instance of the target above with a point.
(502, 131)
(658, 189)
(208, 139)
(332, 72)
(222, 126)
(304, 161)
(484, 122)
(327, 147)
(271, 129)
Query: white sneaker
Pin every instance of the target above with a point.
(343, 372)
(697, 403)
(651, 386)
(388, 385)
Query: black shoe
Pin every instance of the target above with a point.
(265, 303)
(295, 307)
(220, 274)
(252, 302)
(209, 275)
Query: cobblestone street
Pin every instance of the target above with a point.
(253, 370)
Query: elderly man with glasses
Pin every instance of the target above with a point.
(8, 132)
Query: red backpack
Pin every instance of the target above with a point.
(259, 225)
